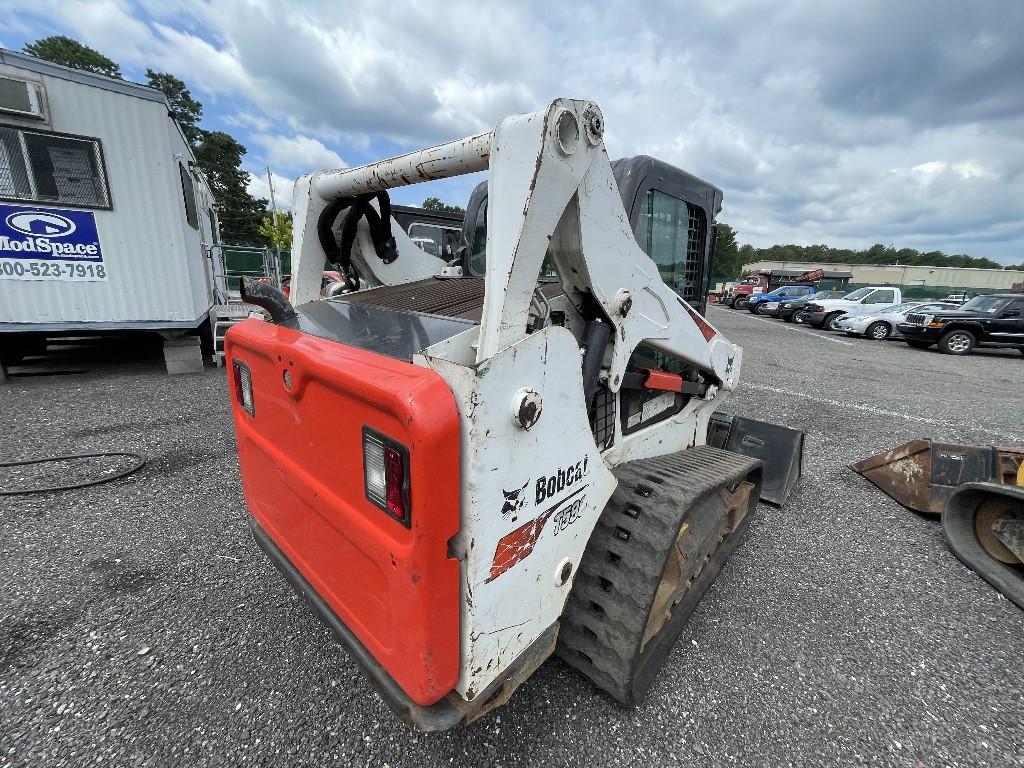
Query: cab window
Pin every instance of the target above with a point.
(478, 258)
(881, 297)
(435, 240)
(671, 233)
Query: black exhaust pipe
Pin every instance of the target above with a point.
(267, 297)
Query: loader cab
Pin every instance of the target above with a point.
(671, 213)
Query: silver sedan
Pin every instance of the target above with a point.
(881, 325)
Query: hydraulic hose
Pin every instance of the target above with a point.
(595, 341)
(338, 252)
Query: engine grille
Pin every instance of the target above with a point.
(462, 297)
(915, 319)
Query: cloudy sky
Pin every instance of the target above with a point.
(848, 123)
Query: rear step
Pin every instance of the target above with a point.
(657, 547)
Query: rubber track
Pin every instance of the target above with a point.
(606, 613)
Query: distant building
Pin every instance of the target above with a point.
(966, 278)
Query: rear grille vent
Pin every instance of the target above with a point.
(462, 297)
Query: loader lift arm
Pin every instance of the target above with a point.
(560, 195)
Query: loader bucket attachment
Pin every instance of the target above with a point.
(923, 474)
(780, 449)
(984, 526)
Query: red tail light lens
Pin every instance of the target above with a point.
(386, 475)
(394, 475)
(243, 386)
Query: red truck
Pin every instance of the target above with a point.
(767, 280)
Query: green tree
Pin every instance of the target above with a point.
(727, 261)
(63, 50)
(876, 254)
(279, 232)
(220, 158)
(747, 256)
(187, 110)
(436, 204)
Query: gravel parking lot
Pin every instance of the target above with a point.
(140, 625)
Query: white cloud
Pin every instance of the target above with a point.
(800, 112)
(297, 153)
(259, 187)
(967, 169)
(246, 120)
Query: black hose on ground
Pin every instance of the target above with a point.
(139, 463)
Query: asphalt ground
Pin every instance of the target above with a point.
(140, 625)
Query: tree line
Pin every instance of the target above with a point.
(730, 256)
(218, 154)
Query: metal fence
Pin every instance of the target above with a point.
(240, 261)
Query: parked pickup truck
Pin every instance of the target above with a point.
(795, 310)
(758, 302)
(996, 320)
(823, 314)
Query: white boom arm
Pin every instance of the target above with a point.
(550, 185)
(314, 192)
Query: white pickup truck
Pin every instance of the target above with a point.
(871, 299)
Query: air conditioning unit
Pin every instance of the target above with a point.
(18, 97)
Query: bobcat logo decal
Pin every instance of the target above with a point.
(514, 501)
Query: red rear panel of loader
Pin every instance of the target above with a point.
(301, 446)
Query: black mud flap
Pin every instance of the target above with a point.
(780, 449)
(983, 524)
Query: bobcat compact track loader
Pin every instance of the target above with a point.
(466, 474)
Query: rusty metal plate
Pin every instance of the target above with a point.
(905, 473)
(922, 474)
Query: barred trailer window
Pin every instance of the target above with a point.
(52, 168)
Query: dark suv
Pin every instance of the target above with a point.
(996, 320)
(795, 310)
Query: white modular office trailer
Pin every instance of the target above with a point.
(106, 223)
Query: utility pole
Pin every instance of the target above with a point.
(273, 208)
(273, 199)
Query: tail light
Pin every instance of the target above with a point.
(386, 475)
(243, 386)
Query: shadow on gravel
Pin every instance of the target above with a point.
(176, 461)
(123, 354)
(140, 426)
(119, 575)
(21, 636)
